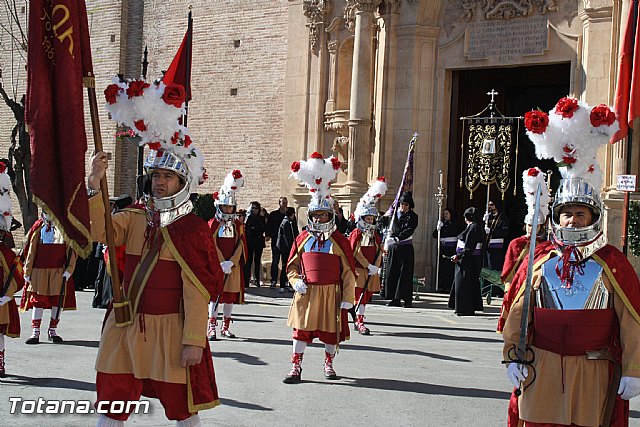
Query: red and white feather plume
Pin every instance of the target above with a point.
(317, 173)
(367, 203)
(6, 217)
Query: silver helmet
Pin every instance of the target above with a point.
(317, 205)
(578, 191)
(227, 195)
(172, 207)
(365, 211)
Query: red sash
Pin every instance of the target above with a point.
(162, 292)
(573, 332)
(51, 256)
(227, 246)
(321, 268)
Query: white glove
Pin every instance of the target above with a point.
(226, 266)
(66, 275)
(439, 225)
(487, 230)
(486, 217)
(5, 299)
(345, 305)
(517, 373)
(299, 286)
(373, 270)
(629, 388)
(27, 278)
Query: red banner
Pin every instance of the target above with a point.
(627, 98)
(59, 57)
(179, 71)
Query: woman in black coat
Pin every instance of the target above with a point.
(449, 230)
(466, 295)
(255, 226)
(398, 280)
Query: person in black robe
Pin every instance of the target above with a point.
(398, 280)
(466, 295)
(449, 230)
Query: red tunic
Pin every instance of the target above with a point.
(10, 326)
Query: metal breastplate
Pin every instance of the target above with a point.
(311, 245)
(367, 240)
(586, 292)
(227, 229)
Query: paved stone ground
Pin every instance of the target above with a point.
(420, 367)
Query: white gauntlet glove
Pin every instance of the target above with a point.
(439, 225)
(487, 230)
(299, 286)
(66, 275)
(5, 299)
(27, 278)
(517, 373)
(345, 305)
(629, 387)
(486, 217)
(226, 266)
(373, 270)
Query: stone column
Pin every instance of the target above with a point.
(330, 105)
(360, 102)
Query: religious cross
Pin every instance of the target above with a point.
(493, 93)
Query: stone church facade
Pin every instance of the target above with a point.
(274, 81)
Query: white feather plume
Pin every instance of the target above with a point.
(377, 189)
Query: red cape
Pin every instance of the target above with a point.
(356, 236)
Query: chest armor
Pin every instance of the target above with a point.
(586, 292)
(311, 245)
(227, 229)
(367, 240)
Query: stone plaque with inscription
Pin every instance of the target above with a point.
(507, 40)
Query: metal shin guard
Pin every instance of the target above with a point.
(192, 421)
(104, 421)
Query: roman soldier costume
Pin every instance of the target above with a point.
(582, 361)
(231, 247)
(320, 269)
(48, 282)
(171, 269)
(366, 244)
(10, 271)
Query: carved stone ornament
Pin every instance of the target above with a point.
(505, 9)
(354, 6)
(341, 146)
(315, 11)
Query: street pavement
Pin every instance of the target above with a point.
(420, 367)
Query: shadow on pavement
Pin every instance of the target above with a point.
(247, 359)
(243, 405)
(81, 343)
(48, 382)
(348, 346)
(443, 328)
(257, 315)
(436, 336)
(414, 387)
(634, 414)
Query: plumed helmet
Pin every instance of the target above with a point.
(317, 173)
(153, 112)
(571, 134)
(367, 204)
(531, 178)
(227, 194)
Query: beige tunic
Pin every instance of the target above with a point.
(363, 273)
(152, 346)
(233, 283)
(585, 381)
(46, 281)
(318, 308)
